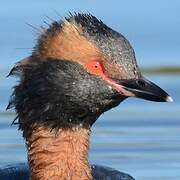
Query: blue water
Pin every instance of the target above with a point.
(138, 137)
(151, 26)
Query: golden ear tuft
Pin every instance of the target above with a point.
(66, 41)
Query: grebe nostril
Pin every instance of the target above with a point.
(141, 83)
(78, 69)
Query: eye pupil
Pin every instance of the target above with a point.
(95, 67)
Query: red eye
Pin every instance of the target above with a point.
(95, 67)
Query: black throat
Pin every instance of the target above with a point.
(59, 93)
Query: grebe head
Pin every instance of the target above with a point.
(79, 69)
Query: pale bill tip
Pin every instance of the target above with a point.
(169, 99)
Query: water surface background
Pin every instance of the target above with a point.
(138, 137)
